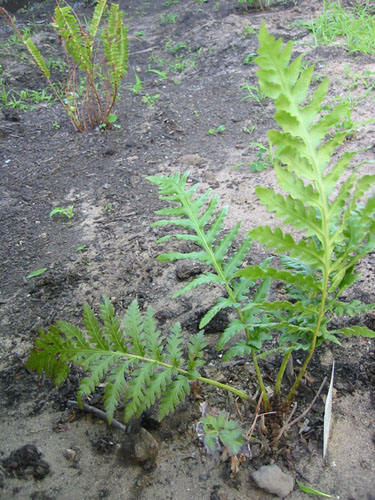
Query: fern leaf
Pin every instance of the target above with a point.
(112, 328)
(37, 56)
(203, 279)
(292, 211)
(221, 303)
(195, 352)
(231, 266)
(352, 308)
(98, 366)
(357, 331)
(306, 282)
(97, 17)
(174, 346)
(174, 395)
(153, 336)
(71, 32)
(133, 326)
(284, 242)
(296, 187)
(114, 389)
(93, 329)
(137, 386)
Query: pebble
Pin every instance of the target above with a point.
(272, 479)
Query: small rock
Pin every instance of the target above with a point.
(191, 160)
(140, 448)
(146, 447)
(272, 479)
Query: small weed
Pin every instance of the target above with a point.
(161, 74)
(254, 93)
(168, 18)
(136, 87)
(36, 273)
(248, 31)
(264, 158)
(249, 58)
(150, 100)
(108, 208)
(81, 248)
(218, 130)
(169, 3)
(56, 125)
(66, 212)
(140, 35)
(173, 48)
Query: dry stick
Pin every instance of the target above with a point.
(256, 416)
(289, 424)
(95, 411)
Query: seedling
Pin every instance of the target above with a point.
(36, 273)
(150, 100)
(254, 93)
(168, 18)
(218, 130)
(161, 74)
(136, 87)
(81, 248)
(248, 31)
(249, 58)
(66, 212)
(264, 158)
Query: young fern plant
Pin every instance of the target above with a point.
(94, 74)
(326, 202)
(138, 365)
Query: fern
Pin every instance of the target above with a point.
(132, 359)
(91, 90)
(337, 225)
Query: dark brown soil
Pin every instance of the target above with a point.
(50, 451)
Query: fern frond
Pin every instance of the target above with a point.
(133, 326)
(97, 17)
(174, 395)
(37, 56)
(115, 388)
(75, 39)
(305, 282)
(283, 242)
(133, 363)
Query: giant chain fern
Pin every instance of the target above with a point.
(326, 202)
(137, 365)
(91, 90)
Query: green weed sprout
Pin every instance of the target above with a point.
(66, 212)
(91, 90)
(328, 204)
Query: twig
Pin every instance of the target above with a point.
(256, 416)
(289, 424)
(95, 411)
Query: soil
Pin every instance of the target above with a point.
(51, 451)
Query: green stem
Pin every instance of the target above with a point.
(188, 374)
(281, 372)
